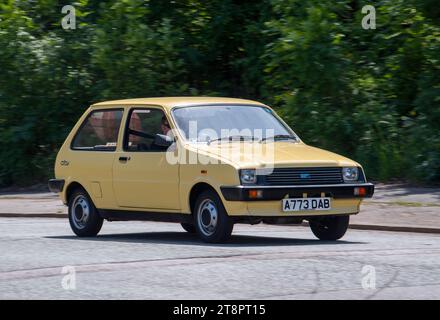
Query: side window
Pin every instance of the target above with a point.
(143, 126)
(99, 131)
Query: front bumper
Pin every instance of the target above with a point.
(56, 185)
(337, 191)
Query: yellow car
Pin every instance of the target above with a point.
(204, 162)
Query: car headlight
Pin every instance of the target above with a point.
(248, 176)
(350, 174)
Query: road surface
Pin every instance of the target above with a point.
(41, 259)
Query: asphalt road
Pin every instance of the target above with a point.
(150, 260)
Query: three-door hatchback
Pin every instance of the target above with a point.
(206, 163)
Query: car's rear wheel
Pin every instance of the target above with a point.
(188, 227)
(84, 219)
(211, 220)
(330, 228)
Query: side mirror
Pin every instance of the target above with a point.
(162, 140)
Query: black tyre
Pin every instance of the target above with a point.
(84, 219)
(211, 220)
(330, 228)
(188, 227)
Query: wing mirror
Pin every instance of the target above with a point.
(163, 140)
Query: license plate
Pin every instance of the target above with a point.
(303, 204)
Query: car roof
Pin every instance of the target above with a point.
(170, 102)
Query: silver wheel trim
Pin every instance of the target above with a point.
(207, 209)
(80, 212)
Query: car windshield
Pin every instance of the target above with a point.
(230, 122)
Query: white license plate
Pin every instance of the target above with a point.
(300, 204)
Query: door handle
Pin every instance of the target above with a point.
(124, 159)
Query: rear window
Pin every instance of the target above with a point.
(99, 131)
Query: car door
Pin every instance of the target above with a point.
(142, 176)
(91, 155)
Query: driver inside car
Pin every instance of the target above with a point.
(164, 126)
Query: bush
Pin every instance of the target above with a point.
(372, 95)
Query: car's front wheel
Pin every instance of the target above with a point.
(84, 219)
(211, 220)
(330, 228)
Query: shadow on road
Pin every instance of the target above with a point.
(183, 238)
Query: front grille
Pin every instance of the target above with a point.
(304, 176)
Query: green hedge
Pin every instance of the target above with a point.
(372, 95)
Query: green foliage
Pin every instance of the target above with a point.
(373, 95)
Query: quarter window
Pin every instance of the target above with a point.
(99, 131)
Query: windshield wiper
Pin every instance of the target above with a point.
(233, 138)
(279, 137)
